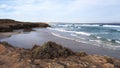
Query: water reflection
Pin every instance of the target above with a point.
(24, 39)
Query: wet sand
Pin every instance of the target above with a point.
(7, 34)
(43, 35)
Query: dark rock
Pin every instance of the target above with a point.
(82, 54)
(1, 63)
(50, 50)
(109, 59)
(34, 47)
(8, 25)
(6, 44)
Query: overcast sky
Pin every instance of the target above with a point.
(61, 10)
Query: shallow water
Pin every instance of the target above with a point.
(29, 39)
(24, 39)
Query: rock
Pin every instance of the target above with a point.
(50, 50)
(8, 25)
(1, 63)
(34, 47)
(108, 65)
(5, 44)
(69, 64)
(82, 54)
(96, 59)
(29, 61)
(55, 65)
(116, 63)
(2, 48)
(108, 59)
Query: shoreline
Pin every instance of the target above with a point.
(62, 53)
(7, 34)
(45, 35)
(77, 46)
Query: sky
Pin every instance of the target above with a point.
(78, 11)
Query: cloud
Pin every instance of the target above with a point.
(60, 10)
(3, 6)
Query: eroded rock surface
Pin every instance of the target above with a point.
(13, 57)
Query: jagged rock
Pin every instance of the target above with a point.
(50, 50)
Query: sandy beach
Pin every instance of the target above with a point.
(43, 35)
(7, 34)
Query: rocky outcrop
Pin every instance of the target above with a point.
(13, 57)
(50, 50)
(8, 25)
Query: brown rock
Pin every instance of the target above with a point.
(55, 65)
(2, 48)
(108, 65)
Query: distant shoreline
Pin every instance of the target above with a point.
(100, 24)
(8, 25)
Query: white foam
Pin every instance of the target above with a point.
(111, 26)
(77, 40)
(83, 33)
(109, 40)
(73, 34)
(99, 37)
(117, 41)
(63, 30)
(112, 47)
(99, 43)
(58, 29)
(92, 42)
(63, 25)
(57, 35)
(101, 33)
(108, 45)
(88, 25)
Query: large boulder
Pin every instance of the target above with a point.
(50, 50)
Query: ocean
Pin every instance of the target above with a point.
(107, 36)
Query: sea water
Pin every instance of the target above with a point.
(107, 36)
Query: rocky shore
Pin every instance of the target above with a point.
(8, 25)
(51, 55)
